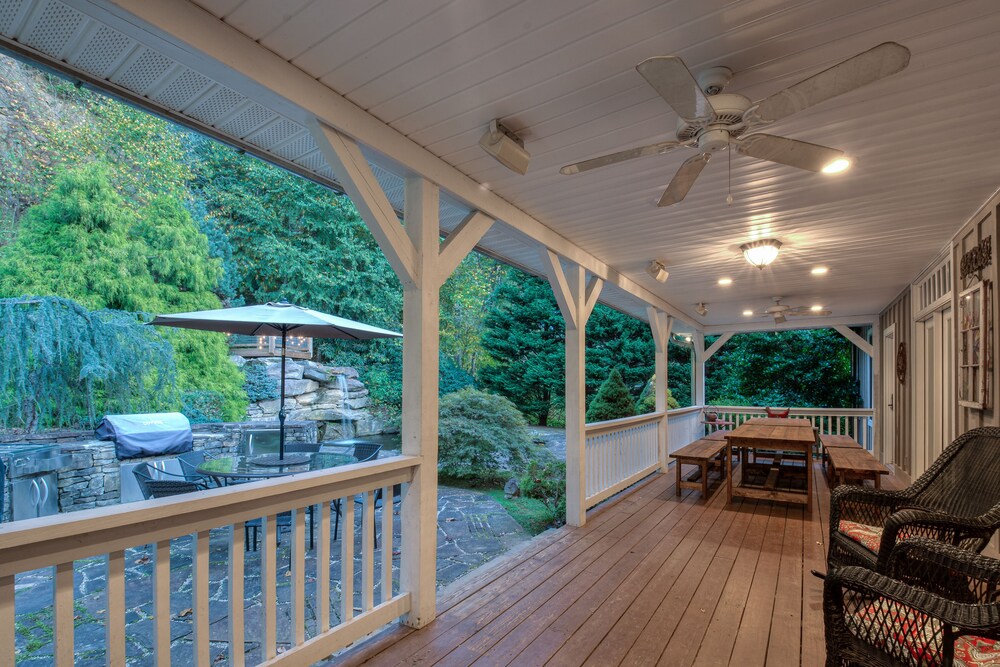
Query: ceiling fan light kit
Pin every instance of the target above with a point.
(505, 147)
(761, 253)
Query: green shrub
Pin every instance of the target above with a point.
(613, 400)
(546, 481)
(259, 385)
(202, 406)
(483, 437)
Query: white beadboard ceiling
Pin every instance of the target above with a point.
(562, 74)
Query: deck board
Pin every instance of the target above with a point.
(652, 578)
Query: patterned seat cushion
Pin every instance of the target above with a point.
(867, 536)
(902, 631)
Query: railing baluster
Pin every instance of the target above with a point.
(114, 627)
(161, 603)
(200, 602)
(63, 621)
(347, 560)
(387, 543)
(268, 583)
(236, 594)
(368, 551)
(298, 597)
(323, 568)
(7, 620)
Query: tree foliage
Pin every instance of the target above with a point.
(85, 242)
(613, 400)
(482, 437)
(62, 365)
(810, 368)
(524, 333)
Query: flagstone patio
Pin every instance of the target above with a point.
(472, 529)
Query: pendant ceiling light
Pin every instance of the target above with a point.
(761, 253)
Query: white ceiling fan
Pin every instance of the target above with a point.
(780, 312)
(711, 120)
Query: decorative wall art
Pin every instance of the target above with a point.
(975, 326)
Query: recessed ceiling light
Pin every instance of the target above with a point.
(725, 281)
(816, 309)
(839, 165)
(819, 270)
(747, 313)
(687, 339)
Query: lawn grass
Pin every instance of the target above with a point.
(530, 513)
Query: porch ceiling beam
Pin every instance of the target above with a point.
(717, 345)
(560, 287)
(356, 176)
(858, 341)
(460, 243)
(192, 36)
(792, 324)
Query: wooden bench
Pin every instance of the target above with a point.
(848, 462)
(702, 453)
(832, 441)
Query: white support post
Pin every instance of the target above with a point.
(422, 264)
(420, 403)
(661, 323)
(576, 298)
(698, 368)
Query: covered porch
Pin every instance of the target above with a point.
(387, 104)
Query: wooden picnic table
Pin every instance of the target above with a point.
(770, 435)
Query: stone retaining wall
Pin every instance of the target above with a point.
(94, 477)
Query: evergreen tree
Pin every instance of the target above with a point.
(613, 400)
(618, 341)
(84, 242)
(524, 333)
(62, 365)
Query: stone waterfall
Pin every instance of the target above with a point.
(331, 396)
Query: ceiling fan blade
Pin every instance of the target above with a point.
(671, 78)
(684, 179)
(794, 153)
(864, 68)
(807, 312)
(620, 156)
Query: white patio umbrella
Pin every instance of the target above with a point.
(275, 319)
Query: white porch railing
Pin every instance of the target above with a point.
(57, 541)
(856, 422)
(683, 427)
(619, 453)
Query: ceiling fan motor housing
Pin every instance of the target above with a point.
(726, 122)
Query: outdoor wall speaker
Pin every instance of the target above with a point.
(657, 271)
(506, 147)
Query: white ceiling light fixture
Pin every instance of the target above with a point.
(747, 313)
(820, 271)
(725, 281)
(506, 147)
(701, 309)
(761, 253)
(658, 271)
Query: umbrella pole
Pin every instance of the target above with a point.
(281, 405)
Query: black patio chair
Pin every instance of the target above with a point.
(936, 605)
(151, 485)
(956, 501)
(363, 451)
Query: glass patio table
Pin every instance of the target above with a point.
(241, 468)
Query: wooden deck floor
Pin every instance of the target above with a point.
(652, 578)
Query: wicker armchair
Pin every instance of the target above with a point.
(956, 501)
(938, 605)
